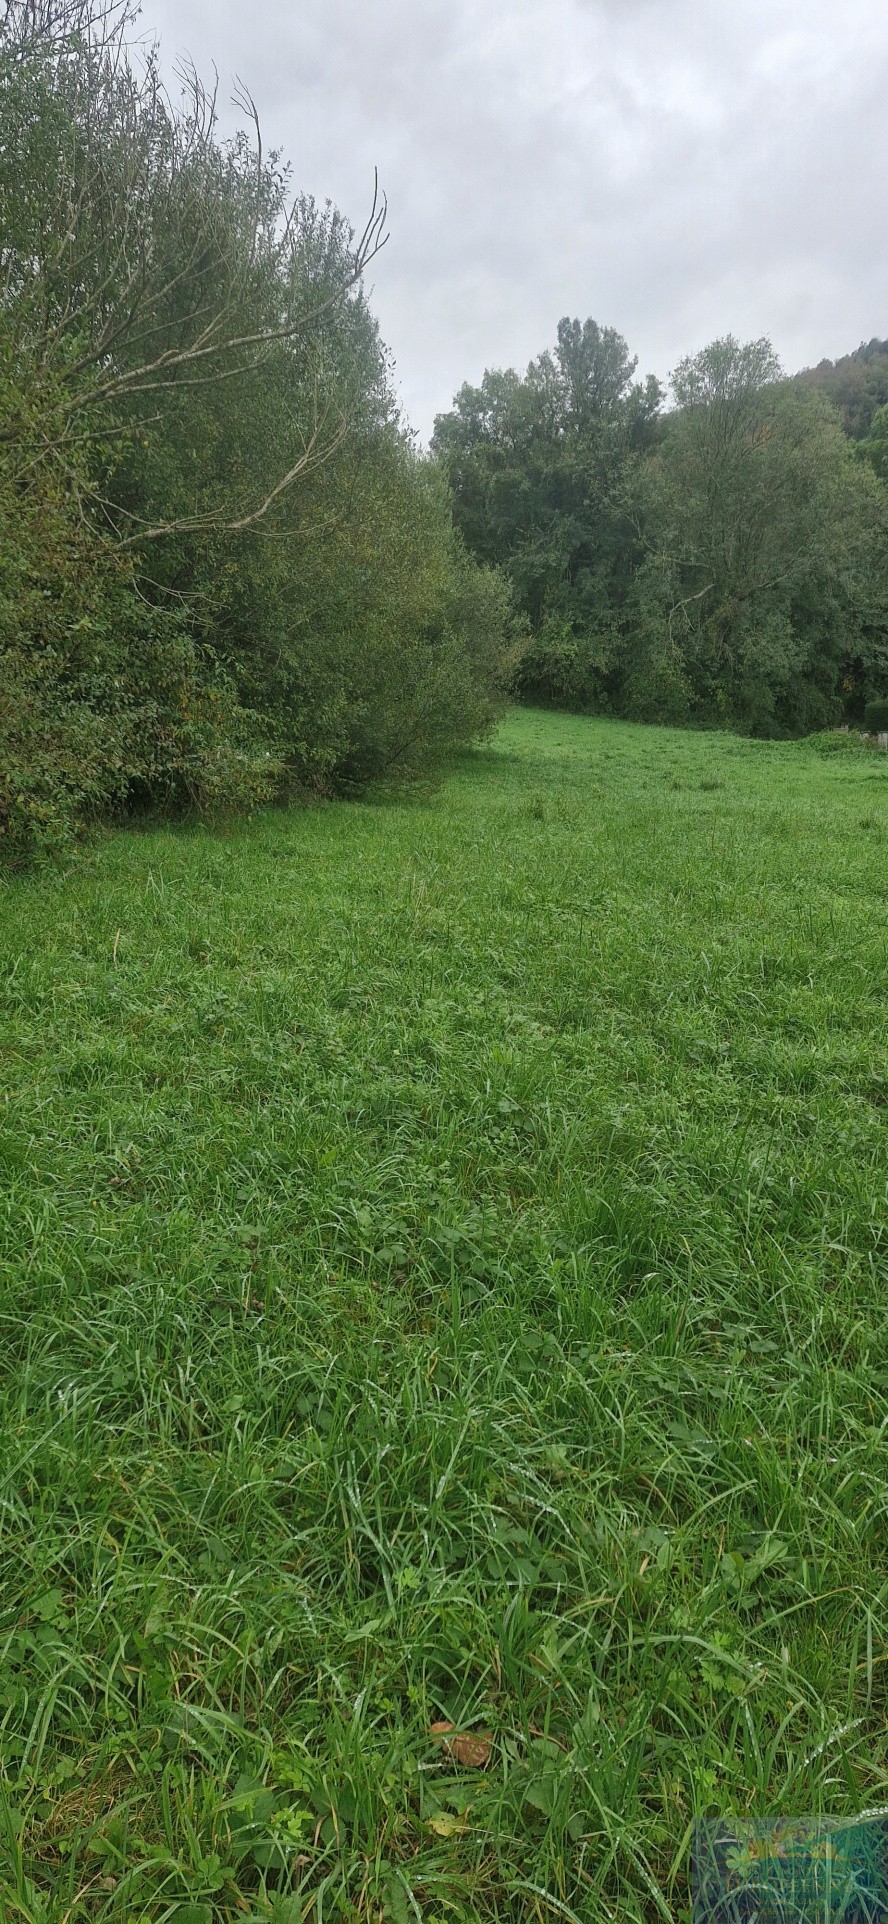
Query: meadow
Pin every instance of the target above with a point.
(443, 1262)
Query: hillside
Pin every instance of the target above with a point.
(857, 384)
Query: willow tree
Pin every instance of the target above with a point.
(141, 258)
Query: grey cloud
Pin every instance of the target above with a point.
(678, 168)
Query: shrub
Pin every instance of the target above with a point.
(564, 667)
(104, 699)
(876, 716)
(834, 741)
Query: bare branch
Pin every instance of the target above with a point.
(213, 522)
(150, 258)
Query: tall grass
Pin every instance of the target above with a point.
(443, 1277)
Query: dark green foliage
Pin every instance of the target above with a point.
(876, 716)
(726, 564)
(542, 471)
(362, 632)
(874, 448)
(224, 569)
(771, 546)
(105, 700)
(857, 385)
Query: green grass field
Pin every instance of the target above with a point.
(444, 1276)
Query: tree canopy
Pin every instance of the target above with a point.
(226, 571)
(856, 384)
(722, 560)
(542, 470)
(874, 447)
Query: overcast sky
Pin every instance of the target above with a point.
(676, 168)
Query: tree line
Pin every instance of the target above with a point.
(721, 560)
(226, 571)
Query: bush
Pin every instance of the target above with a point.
(104, 700)
(561, 666)
(376, 648)
(875, 716)
(834, 741)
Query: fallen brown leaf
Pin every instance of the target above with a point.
(470, 1748)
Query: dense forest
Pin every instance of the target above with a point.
(722, 559)
(226, 571)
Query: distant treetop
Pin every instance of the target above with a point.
(857, 384)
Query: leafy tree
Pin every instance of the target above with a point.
(103, 698)
(726, 563)
(263, 579)
(856, 384)
(143, 260)
(541, 472)
(768, 541)
(875, 448)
